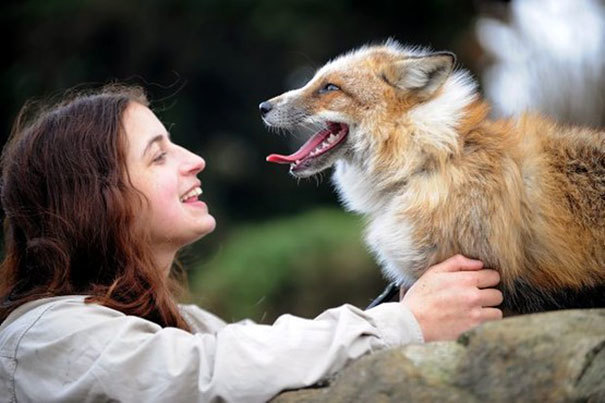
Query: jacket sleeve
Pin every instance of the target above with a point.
(254, 362)
(136, 360)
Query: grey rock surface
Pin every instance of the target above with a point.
(547, 357)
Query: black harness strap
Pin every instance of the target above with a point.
(388, 293)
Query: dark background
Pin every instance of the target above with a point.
(280, 245)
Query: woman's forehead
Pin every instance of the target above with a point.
(141, 124)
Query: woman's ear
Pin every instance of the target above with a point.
(422, 75)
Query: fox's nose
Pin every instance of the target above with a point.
(265, 107)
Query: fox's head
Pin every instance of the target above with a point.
(357, 101)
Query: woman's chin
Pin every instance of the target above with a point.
(196, 230)
(206, 226)
(210, 225)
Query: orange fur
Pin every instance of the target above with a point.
(435, 176)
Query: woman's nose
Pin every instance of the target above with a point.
(194, 164)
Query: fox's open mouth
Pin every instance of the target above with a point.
(320, 143)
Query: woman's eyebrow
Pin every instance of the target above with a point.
(155, 139)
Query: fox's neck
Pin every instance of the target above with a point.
(431, 134)
(439, 129)
(436, 124)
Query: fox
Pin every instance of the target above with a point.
(415, 152)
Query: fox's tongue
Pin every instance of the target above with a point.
(303, 151)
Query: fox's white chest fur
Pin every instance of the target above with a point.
(388, 233)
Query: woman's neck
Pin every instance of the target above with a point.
(163, 259)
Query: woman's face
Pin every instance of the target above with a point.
(167, 175)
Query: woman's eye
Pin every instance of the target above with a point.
(160, 157)
(329, 88)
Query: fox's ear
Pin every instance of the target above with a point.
(422, 75)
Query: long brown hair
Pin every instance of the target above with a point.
(70, 209)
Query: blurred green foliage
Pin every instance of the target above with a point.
(298, 264)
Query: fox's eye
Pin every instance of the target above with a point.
(328, 88)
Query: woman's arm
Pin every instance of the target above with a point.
(85, 352)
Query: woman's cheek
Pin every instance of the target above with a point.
(169, 210)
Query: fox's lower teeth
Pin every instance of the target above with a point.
(324, 146)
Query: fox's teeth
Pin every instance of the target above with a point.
(327, 143)
(194, 192)
(320, 148)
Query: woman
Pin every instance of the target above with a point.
(98, 201)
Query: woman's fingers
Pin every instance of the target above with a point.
(490, 297)
(487, 278)
(458, 263)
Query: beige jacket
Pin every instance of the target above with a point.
(63, 350)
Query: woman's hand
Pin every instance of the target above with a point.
(452, 297)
